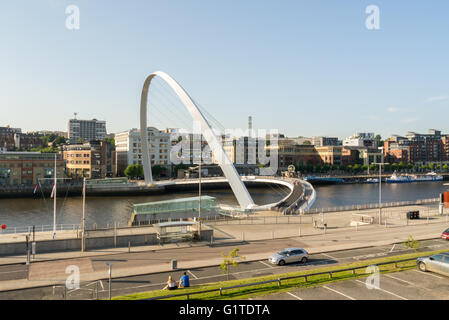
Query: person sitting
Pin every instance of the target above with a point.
(184, 282)
(171, 285)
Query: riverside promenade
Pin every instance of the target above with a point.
(255, 239)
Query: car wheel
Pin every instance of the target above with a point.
(281, 263)
(304, 260)
(422, 266)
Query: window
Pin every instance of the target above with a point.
(438, 257)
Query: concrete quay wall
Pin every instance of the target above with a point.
(101, 242)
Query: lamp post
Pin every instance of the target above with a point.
(83, 220)
(110, 264)
(380, 183)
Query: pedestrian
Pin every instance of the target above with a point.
(171, 285)
(184, 282)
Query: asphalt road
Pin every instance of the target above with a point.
(141, 283)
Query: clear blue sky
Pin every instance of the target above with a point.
(303, 67)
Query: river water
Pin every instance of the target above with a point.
(107, 210)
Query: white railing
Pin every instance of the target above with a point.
(373, 206)
(40, 228)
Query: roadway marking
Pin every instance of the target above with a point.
(294, 296)
(392, 248)
(101, 282)
(340, 293)
(192, 274)
(266, 264)
(13, 271)
(429, 274)
(329, 256)
(386, 291)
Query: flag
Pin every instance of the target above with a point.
(53, 191)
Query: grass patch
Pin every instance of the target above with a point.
(286, 285)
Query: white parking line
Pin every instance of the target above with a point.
(101, 282)
(344, 295)
(408, 282)
(266, 264)
(429, 274)
(192, 274)
(386, 291)
(392, 248)
(294, 296)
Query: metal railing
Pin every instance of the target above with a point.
(41, 228)
(279, 280)
(373, 206)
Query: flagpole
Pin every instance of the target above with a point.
(54, 204)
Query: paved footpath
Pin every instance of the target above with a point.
(49, 269)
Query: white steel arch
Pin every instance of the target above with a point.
(238, 187)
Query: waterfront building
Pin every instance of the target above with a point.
(361, 139)
(417, 148)
(128, 148)
(86, 130)
(92, 160)
(331, 155)
(26, 168)
(294, 154)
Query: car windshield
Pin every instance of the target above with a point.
(283, 252)
(447, 230)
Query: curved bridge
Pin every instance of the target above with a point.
(241, 193)
(300, 198)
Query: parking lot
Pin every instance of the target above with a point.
(405, 285)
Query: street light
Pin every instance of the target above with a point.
(110, 264)
(380, 183)
(83, 220)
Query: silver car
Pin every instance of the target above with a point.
(289, 255)
(438, 263)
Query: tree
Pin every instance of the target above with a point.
(134, 171)
(156, 170)
(231, 259)
(378, 138)
(307, 142)
(412, 243)
(445, 167)
(59, 140)
(111, 141)
(131, 171)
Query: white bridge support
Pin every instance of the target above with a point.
(238, 187)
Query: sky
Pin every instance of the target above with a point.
(306, 68)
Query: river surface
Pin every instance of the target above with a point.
(107, 210)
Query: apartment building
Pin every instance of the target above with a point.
(91, 160)
(86, 130)
(29, 168)
(128, 148)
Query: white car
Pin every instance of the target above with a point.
(289, 255)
